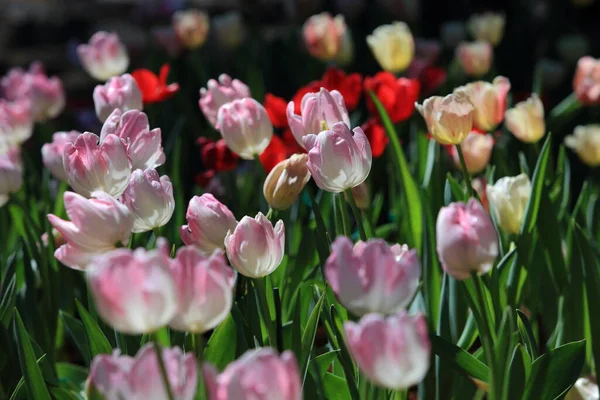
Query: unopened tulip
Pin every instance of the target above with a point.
(584, 389)
(467, 241)
(487, 27)
(509, 197)
(285, 182)
(208, 223)
(324, 35)
(475, 58)
(11, 174)
(96, 226)
(119, 92)
(477, 150)
(337, 158)
(586, 83)
(393, 46)
(52, 153)
(204, 287)
(191, 27)
(258, 375)
(393, 352)
(144, 145)
(489, 100)
(585, 141)
(16, 122)
(449, 119)
(246, 127)
(219, 93)
(452, 33)
(92, 165)
(255, 248)
(104, 56)
(229, 30)
(526, 120)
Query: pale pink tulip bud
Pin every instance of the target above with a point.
(526, 120)
(52, 153)
(144, 146)
(246, 127)
(475, 58)
(219, 93)
(134, 291)
(319, 112)
(393, 46)
(586, 82)
(16, 122)
(258, 375)
(204, 287)
(97, 166)
(191, 27)
(120, 92)
(393, 352)
(487, 27)
(467, 241)
(285, 181)
(104, 56)
(255, 248)
(477, 150)
(372, 276)
(337, 159)
(11, 174)
(96, 226)
(323, 35)
(449, 119)
(489, 100)
(150, 200)
(585, 141)
(208, 220)
(123, 377)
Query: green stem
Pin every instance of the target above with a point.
(163, 370)
(260, 286)
(344, 214)
(463, 164)
(156, 232)
(270, 214)
(199, 347)
(357, 214)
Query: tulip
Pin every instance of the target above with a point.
(219, 93)
(97, 166)
(324, 35)
(104, 56)
(475, 58)
(204, 290)
(449, 119)
(467, 241)
(258, 375)
(52, 153)
(216, 155)
(393, 46)
(487, 27)
(11, 174)
(16, 122)
(585, 141)
(255, 248)
(372, 276)
(586, 82)
(378, 139)
(143, 145)
(489, 100)
(285, 182)
(509, 197)
(337, 159)
(191, 27)
(349, 86)
(120, 92)
(154, 87)
(245, 126)
(452, 33)
(229, 30)
(97, 225)
(584, 389)
(393, 352)
(477, 150)
(208, 223)
(397, 95)
(526, 120)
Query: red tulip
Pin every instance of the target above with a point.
(398, 96)
(376, 135)
(350, 86)
(276, 107)
(154, 88)
(216, 155)
(279, 149)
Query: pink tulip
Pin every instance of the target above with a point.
(204, 287)
(191, 27)
(338, 160)
(219, 93)
(319, 112)
(104, 56)
(143, 145)
(477, 151)
(97, 225)
(324, 35)
(372, 276)
(393, 352)
(258, 375)
(120, 92)
(52, 153)
(467, 241)
(449, 119)
(586, 82)
(11, 174)
(134, 291)
(97, 166)
(255, 248)
(489, 100)
(208, 223)
(475, 57)
(16, 123)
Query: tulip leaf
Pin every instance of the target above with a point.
(518, 372)
(71, 374)
(335, 388)
(463, 361)
(98, 342)
(537, 186)
(76, 331)
(222, 346)
(527, 336)
(308, 336)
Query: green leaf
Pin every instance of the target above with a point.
(537, 185)
(308, 336)
(97, 341)
(458, 193)
(77, 334)
(527, 335)
(518, 372)
(221, 347)
(75, 375)
(463, 361)
(324, 361)
(335, 388)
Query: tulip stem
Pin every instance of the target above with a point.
(463, 164)
(270, 214)
(341, 204)
(357, 214)
(199, 347)
(163, 370)
(260, 287)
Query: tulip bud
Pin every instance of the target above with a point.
(16, 122)
(219, 93)
(393, 46)
(208, 223)
(361, 196)
(393, 352)
(324, 35)
(526, 120)
(52, 153)
(477, 150)
(229, 29)
(285, 182)
(586, 82)
(449, 119)
(92, 166)
(487, 27)
(452, 33)
(97, 225)
(191, 27)
(337, 159)
(585, 141)
(584, 389)
(509, 197)
(467, 241)
(11, 174)
(120, 92)
(258, 375)
(104, 56)
(475, 58)
(489, 100)
(255, 248)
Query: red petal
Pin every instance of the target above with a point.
(376, 135)
(274, 153)
(276, 109)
